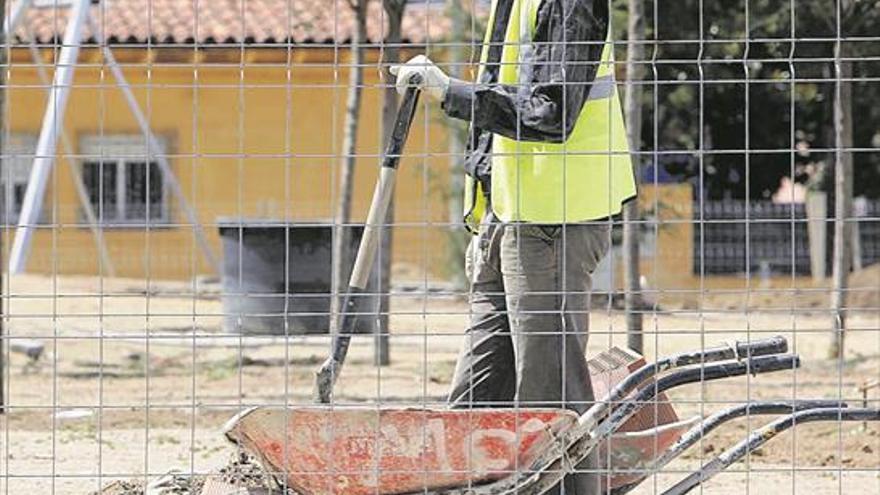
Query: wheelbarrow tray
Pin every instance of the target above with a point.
(322, 450)
(365, 450)
(643, 437)
(361, 450)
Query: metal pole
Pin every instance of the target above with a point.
(153, 144)
(18, 10)
(53, 119)
(635, 54)
(75, 169)
(713, 422)
(763, 435)
(3, 53)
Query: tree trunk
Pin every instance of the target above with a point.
(394, 11)
(341, 256)
(843, 191)
(633, 107)
(457, 239)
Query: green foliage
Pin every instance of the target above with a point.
(736, 86)
(728, 78)
(468, 28)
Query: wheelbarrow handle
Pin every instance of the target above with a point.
(581, 447)
(736, 350)
(354, 302)
(763, 435)
(713, 422)
(549, 469)
(763, 347)
(696, 374)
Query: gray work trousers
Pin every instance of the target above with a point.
(527, 338)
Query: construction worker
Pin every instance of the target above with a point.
(547, 167)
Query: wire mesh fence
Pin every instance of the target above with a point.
(631, 246)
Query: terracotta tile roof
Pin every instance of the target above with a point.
(236, 21)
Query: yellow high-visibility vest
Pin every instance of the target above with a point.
(587, 177)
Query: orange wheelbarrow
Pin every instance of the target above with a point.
(362, 450)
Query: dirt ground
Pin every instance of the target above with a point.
(137, 380)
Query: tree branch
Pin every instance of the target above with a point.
(858, 14)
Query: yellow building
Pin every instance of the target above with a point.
(248, 102)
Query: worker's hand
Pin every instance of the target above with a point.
(433, 82)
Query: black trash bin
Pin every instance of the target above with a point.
(257, 297)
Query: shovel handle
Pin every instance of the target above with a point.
(366, 254)
(353, 303)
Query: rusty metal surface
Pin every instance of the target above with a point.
(328, 450)
(611, 367)
(624, 454)
(356, 451)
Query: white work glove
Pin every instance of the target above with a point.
(434, 82)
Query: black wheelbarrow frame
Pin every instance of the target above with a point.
(763, 435)
(716, 420)
(605, 417)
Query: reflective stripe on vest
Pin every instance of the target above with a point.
(587, 177)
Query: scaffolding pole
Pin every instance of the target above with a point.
(15, 15)
(75, 169)
(53, 126)
(53, 119)
(153, 145)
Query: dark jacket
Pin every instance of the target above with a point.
(568, 42)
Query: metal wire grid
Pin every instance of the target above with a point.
(425, 334)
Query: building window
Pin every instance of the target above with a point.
(18, 158)
(124, 181)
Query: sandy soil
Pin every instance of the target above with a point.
(136, 380)
(863, 294)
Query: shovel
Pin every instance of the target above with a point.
(353, 303)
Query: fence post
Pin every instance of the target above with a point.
(3, 205)
(843, 191)
(635, 53)
(817, 225)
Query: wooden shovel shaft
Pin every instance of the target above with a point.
(352, 304)
(363, 263)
